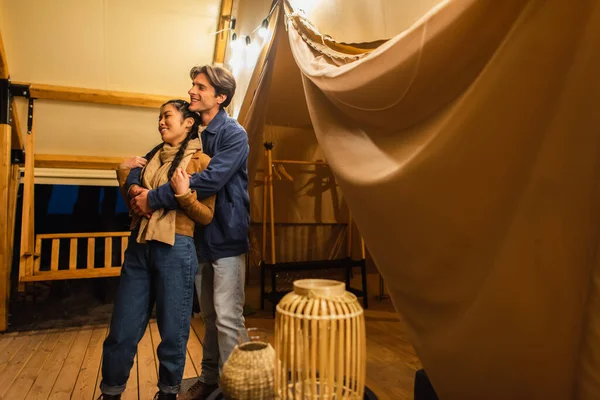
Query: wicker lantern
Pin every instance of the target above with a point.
(248, 372)
(320, 343)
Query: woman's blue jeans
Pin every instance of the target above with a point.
(152, 272)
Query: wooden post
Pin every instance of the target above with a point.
(27, 252)
(124, 243)
(362, 248)
(13, 189)
(5, 146)
(264, 209)
(265, 194)
(271, 204)
(5, 249)
(223, 35)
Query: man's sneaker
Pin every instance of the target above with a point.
(199, 391)
(165, 396)
(109, 397)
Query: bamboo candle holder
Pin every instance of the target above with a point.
(320, 343)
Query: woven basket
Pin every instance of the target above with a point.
(320, 343)
(248, 372)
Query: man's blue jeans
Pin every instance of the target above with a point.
(152, 273)
(221, 286)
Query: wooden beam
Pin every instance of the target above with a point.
(222, 37)
(77, 162)
(4, 74)
(17, 136)
(96, 96)
(5, 250)
(85, 235)
(81, 273)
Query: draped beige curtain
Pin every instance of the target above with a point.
(468, 151)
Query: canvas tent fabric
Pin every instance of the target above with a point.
(467, 150)
(280, 115)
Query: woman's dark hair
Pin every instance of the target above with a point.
(183, 107)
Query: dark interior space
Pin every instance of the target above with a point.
(76, 302)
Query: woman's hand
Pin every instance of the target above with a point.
(133, 162)
(180, 182)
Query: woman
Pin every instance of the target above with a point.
(160, 262)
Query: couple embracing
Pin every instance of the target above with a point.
(190, 206)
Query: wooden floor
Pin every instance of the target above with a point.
(65, 364)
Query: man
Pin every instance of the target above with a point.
(222, 244)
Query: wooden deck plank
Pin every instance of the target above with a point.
(5, 339)
(47, 376)
(198, 328)
(189, 370)
(17, 363)
(155, 335)
(194, 348)
(90, 368)
(9, 351)
(21, 386)
(96, 392)
(65, 382)
(131, 390)
(147, 377)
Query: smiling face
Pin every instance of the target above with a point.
(203, 96)
(172, 126)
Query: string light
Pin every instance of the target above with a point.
(234, 43)
(263, 30)
(246, 55)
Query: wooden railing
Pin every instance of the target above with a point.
(58, 266)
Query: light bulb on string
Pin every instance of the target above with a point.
(235, 42)
(264, 29)
(251, 52)
(238, 55)
(246, 56)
